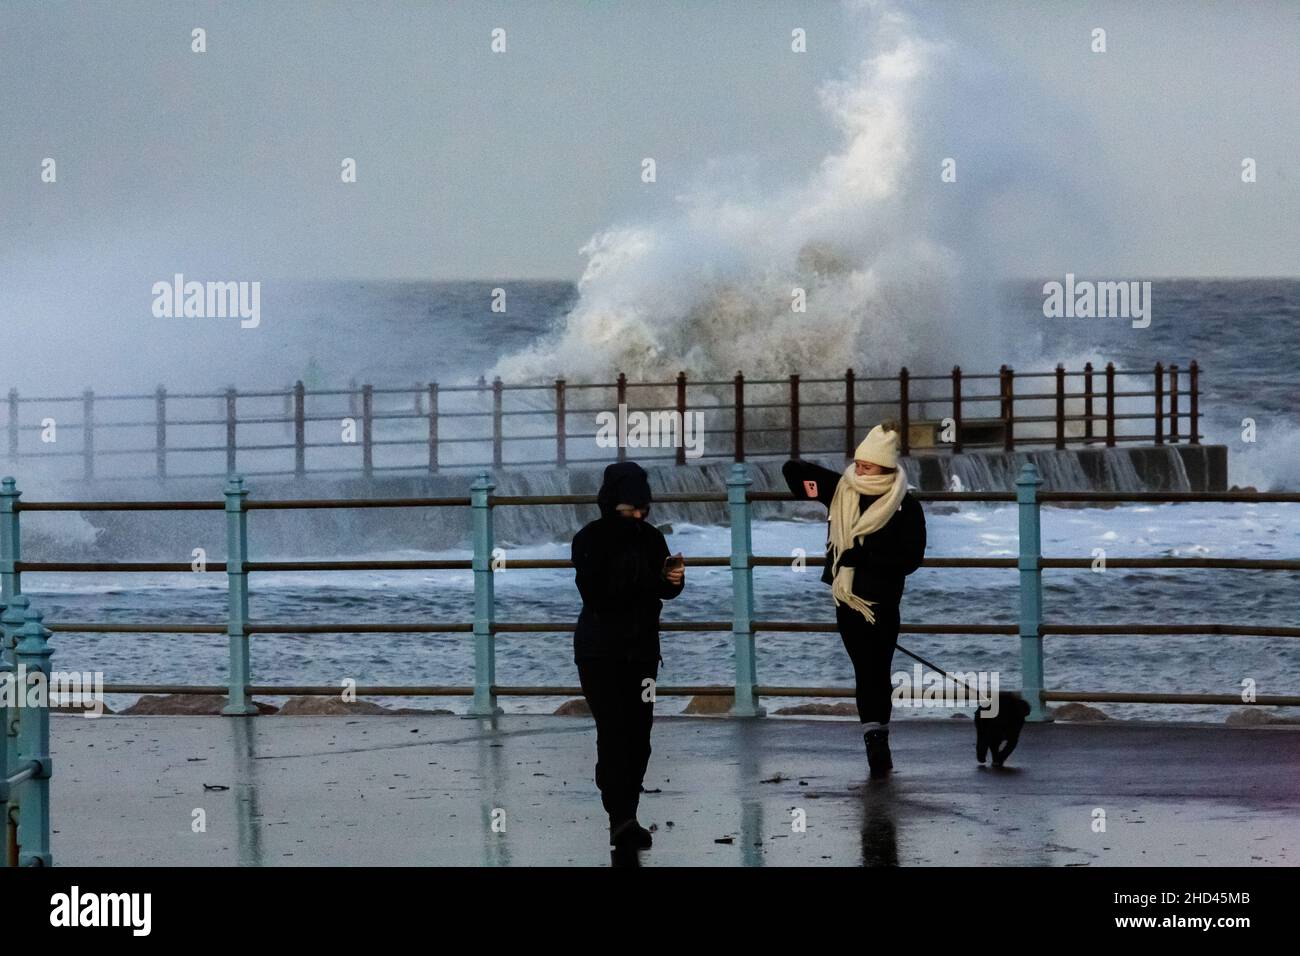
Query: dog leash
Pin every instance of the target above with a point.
(936, 667)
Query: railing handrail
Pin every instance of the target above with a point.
(705, 561)
(487, 387)
(750, 561)
(811, 627)
(1047, 497)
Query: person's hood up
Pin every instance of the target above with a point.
(624, 483)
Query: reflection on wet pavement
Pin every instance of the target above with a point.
(518, 791)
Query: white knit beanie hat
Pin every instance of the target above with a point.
(880, 447)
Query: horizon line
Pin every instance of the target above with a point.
(480, 279)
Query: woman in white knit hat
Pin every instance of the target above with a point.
(875, 538)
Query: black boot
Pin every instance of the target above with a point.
(629, 835)
(878, 758)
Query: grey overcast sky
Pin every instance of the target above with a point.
(473, 164)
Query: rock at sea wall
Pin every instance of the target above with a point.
(841, 708)
(577, 707)
(710, 704)
(1258, 717)
(193, 705)
(1077, 711)
(319, 706)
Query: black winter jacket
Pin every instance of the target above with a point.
(881, 560)
(619, 566)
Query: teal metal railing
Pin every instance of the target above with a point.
(743, 625)
(739, 499)
(1031, 592)
(25, 765)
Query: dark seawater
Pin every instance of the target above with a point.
(1245, 334)
(395, 333)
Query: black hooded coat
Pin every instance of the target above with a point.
(619, 564)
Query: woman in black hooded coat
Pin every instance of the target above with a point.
(623, 576)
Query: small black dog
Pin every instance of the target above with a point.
(999, 734)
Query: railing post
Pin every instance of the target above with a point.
(88, 433)
(1060, 407)
(1008, 408)
(299, 429)
(160, 431)
(742, 593)
(484, 703)
(956, 409)
(497, 439)
(33, 655)
(10, 541)
(1110, 404)
(13, 614)
(1193, 385)
(231, 419)
(10, 847)
(794, 416)
(620, 403)
(433, 427)
(850, 413)
(1087, 403)
(1160, 403)
(237, 587)
(13, 424)
(904, 417)
(1173, 404)
(1031, 593)
(681, 416)
(739, 417)
(11, 622)
(561, 447)
(368, 430)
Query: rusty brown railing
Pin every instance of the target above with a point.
(425, 428)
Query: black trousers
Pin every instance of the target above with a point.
(871, 648)
(614, 691)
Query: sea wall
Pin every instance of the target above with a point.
(172, 535)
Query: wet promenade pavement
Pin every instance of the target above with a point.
(518, 791)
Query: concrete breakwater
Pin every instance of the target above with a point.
(157, 535)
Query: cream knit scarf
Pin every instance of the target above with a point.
(848, 526)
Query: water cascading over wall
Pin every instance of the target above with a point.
(172, 535)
